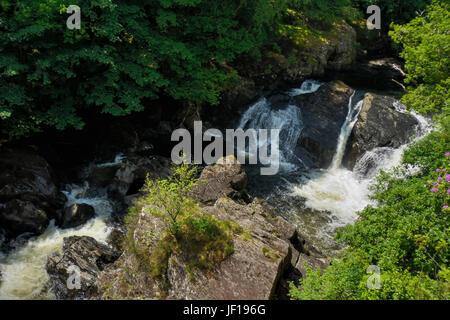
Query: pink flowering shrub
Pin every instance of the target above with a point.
(441, 185)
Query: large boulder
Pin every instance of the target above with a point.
(76, 215)
(83, 254)
(19, 216)
(262, 253)
(379, 124)
(225, 178)
(102, 175)
(27, 175)
(27, 181)
(323, 114)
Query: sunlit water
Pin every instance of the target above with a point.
(320, 201)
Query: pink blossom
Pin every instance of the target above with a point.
(445, 207)
(440, 178)
(438, 170)
(447, 154)
(436, 190)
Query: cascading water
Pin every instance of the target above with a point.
(336, 190)
(23, 269)
(262, 115)
(320, 201)
(347, 127)
(308, 86)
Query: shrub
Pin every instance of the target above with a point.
(199, 239)
(425, 49)
(406, 235)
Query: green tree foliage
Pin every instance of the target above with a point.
(406, 235)
(398, 11)
(169, 197)
(426, 50)
(325, 11)
(126, 54)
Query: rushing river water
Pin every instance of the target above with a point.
(316, 201)
(23, 270)
(319, 201)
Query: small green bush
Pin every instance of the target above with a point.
(201, 240)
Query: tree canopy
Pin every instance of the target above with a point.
(124, 55)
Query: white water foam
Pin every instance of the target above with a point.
(342, 192)
(288, 120)
(23, 270)
(308, 86)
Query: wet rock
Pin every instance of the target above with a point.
(379, 125)
(132, 173)
(20, 216)
(323, 113)
(279, 101)
(82, 256)
(226, 178)
(234, 101)
(28, 190)
(27, 176)
(102, 175)
(76, 215)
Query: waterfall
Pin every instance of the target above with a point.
(318, 201)
(24, 275)
(342, 192)
(346, 130)
(308, 86)
(262, 115)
